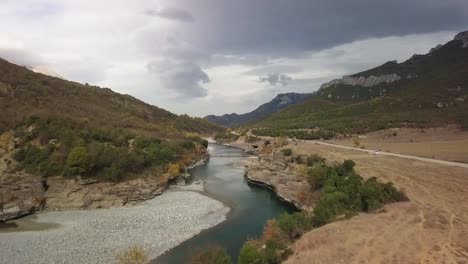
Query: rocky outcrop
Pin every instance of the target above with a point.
(283, 179)
(363, 81)
(20, 195)
(66, 193)
(463, 37)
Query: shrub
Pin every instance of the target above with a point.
(273, 252)
(204, 143)
(250, 255)
(298, 159)
(294, 225)
(188, 145)
(133, 255)
(174, 169)
(112, 173)
(316, 176)
(314, 159)
(211, 255)
(287, 151)
(79, 162)
(159, 154)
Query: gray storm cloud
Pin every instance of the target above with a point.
(185, 78)
(172, 13)
(283, 28)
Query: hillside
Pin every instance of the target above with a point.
(24, 93)
(281, 101)
(424, 91)
(57, 136)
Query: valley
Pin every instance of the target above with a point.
(247, 132)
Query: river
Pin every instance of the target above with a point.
(251, 206)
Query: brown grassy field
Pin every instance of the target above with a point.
(431, 228)
(445, 143)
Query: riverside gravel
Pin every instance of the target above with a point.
(96, 236)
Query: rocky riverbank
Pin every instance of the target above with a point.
(283, 179)
(274, 172)
(22, 194)
(96, 236)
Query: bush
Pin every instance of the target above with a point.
(316, 176)
(188, 145)
(211, 255)
(79, 162)
(174, 169)
(275, 252)
(250, 255)
(294, 225)
(112, 173)
(133, 255)
(287, 152)
(204, 143)
(314, 159)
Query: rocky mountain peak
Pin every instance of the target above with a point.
(463, 37)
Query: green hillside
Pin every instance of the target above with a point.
(58, 127)
(424, 91)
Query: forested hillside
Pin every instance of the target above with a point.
(50, 126)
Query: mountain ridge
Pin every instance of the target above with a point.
(423, 91)
(279, 102)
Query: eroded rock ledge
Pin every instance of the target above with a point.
(22, 194)
(283, 179)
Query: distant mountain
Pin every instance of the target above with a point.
(424, 91)
(279, 102)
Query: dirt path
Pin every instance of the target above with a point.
(444, 162)
(431, 228)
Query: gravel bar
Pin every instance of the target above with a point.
(96, 236)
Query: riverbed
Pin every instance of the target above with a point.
(96, 236)
(219, 208)
(251, 206)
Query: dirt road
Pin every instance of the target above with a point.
(443, 162)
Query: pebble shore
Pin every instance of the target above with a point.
(96, 236)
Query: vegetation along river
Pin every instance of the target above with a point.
(251, 206)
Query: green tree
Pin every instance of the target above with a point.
(211, 255)
(79, 161)
(316, 176)
(249, 255)
(294, 225)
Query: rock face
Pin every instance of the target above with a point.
(20, 195)
(283, 179)
(363, 81)
(71, 193)
(463, 37)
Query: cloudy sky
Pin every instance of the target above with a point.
(219, 56)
